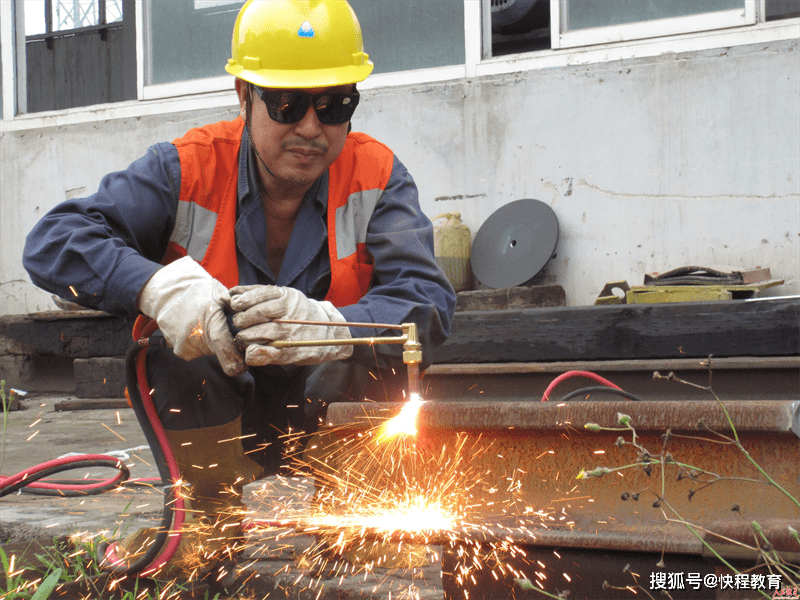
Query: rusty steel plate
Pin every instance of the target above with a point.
(679, 481)
(543, 447)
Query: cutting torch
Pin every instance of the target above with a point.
(412, 349)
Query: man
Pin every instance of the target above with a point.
(278, 214)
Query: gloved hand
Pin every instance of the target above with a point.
(188, 305)
(256, 305)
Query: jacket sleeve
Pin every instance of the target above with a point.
(99, 251)
(408, 284)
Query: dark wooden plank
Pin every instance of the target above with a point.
(536, 296)
(90, 405)
(681, 330)
(102, 377)
(78, 334)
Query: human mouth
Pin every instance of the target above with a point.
(304, 151)
(307, 149)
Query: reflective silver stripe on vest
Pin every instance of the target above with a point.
(352, 221)
(194, 226)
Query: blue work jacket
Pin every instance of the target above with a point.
(99, 251)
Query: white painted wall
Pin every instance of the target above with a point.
(649, 163)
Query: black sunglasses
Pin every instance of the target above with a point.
(290, 106)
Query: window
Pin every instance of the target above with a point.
(87, 39)
(412, 34)
(782, 9)
(585, 22)
(44, 16)
(531, 25)
(191, 39)
(519, 26)
(178, 48)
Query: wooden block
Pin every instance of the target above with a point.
(663, 294)
(513, 297)
(90, 405)
(630, 331)
(756, 275)
(99, 377)
(698, 293)
(38, 373)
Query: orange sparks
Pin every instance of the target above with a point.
(114, 432)
(197, 330)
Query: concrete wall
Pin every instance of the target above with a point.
(649, 164)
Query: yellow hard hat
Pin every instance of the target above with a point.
(298, 44)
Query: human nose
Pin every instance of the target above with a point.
(309, 126)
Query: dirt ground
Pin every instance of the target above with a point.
(275, 563)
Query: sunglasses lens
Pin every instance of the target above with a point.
(335, 109)
(289, 106)
(286, 107)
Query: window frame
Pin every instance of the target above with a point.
(657, 28)
(217, 92)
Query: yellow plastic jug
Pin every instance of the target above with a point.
(452, 244)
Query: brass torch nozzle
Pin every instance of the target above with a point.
(412, 356)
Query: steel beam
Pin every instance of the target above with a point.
(688, 490)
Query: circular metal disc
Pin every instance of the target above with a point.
(514, 243)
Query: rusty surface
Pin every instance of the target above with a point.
(492, 417)
(680, 499)
(528, 457)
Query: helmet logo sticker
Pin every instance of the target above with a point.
(305, 30)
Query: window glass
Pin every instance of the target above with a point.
(583, 14)
(34, 17)
(520, 26)
(69, 14)
(192, 38)
(412, 34)
(781, 9)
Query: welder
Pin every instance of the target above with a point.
(281, 214)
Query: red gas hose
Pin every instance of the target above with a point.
(569, 374)
(143, 328)
(29, 477)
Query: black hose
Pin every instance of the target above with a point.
(137, 404)
(599, 388)
(41, 474)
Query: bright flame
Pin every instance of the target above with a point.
(419, 516)
(405, 423)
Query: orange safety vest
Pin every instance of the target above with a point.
(205, 222)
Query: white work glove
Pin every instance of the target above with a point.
(188, 305)
(256, 305)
